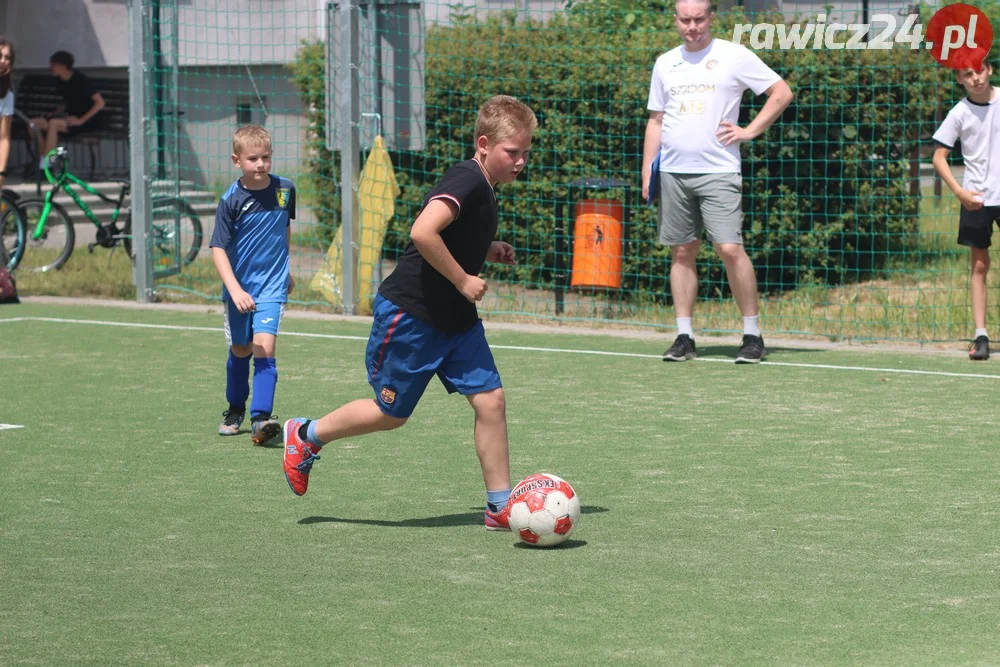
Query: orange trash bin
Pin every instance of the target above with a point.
(597, 244)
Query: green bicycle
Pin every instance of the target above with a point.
(50, 236)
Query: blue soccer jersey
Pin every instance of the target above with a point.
(252, 227)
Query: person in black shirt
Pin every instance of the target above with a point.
(80, 110)
(425, 319)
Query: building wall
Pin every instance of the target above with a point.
(255, 32)
(215, 101)
(210, 98)
(96, 31)
(223, 56)
(246, 31)
(223, 53)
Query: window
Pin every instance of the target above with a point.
(251, 109)
(244, 113)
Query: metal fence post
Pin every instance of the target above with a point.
(138, 41)
(348, 115)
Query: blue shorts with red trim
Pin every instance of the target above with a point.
(405, 352)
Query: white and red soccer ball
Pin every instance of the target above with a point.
(544, 510)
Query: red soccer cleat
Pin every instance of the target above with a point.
(299, 457)
(497, 520)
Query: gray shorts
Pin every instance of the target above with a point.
(692, 203)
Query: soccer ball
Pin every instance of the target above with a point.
(544, 510)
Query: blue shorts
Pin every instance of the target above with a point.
(240, 327)
(404, 353)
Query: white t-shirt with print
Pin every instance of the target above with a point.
(7, 104)
(977, 127)
(696, 91)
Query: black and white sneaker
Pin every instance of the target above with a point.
(231, 420)
(681, 350)
(980, 350)
(751, 350)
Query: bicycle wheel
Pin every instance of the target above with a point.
(162, 235)
(55, 244)
(12, 232)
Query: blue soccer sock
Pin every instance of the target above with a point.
(311, 436)
(265, 378)
(497, 500)
(237, 380)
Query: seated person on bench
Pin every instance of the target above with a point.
(79, 112)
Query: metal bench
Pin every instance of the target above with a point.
(37, 95)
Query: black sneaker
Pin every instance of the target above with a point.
(681, 350)
(751, 350)
(980, 350)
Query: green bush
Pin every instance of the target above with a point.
(323, 172)
(829, 192)
(826, 190)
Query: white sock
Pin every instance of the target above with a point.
(41, 163)
(684, 327)
(750, 326)
(981, 332)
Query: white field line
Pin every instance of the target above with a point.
(519, 348)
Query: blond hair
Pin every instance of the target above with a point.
(251, 136)
(503, 116)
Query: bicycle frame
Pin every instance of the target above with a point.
(60, 183)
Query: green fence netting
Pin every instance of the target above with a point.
(851, 234)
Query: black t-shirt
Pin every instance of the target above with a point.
(77, 94)
(416, 286)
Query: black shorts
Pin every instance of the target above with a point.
(92, 125)
(975, 228)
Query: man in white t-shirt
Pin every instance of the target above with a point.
(975, 123)
(694, 104)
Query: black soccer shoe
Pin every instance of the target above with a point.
(751, 350)
(232, 419)
(681, 350)
(980, 350)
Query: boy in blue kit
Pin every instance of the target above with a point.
(425, 318)
(250, 252)
(974, 122)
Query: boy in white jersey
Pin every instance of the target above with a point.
(974, 122)
(250, 252)
(694, 104)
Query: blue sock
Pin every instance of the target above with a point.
(311, 436)
(237, 379)
(497, 500)
(265, 377)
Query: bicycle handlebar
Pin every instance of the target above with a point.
(60, 154)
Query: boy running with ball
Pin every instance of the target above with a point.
(425, 318)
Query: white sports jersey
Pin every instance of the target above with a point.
(977, 127)
(696, 91)
(7, 104)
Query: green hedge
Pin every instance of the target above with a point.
(826, 190)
